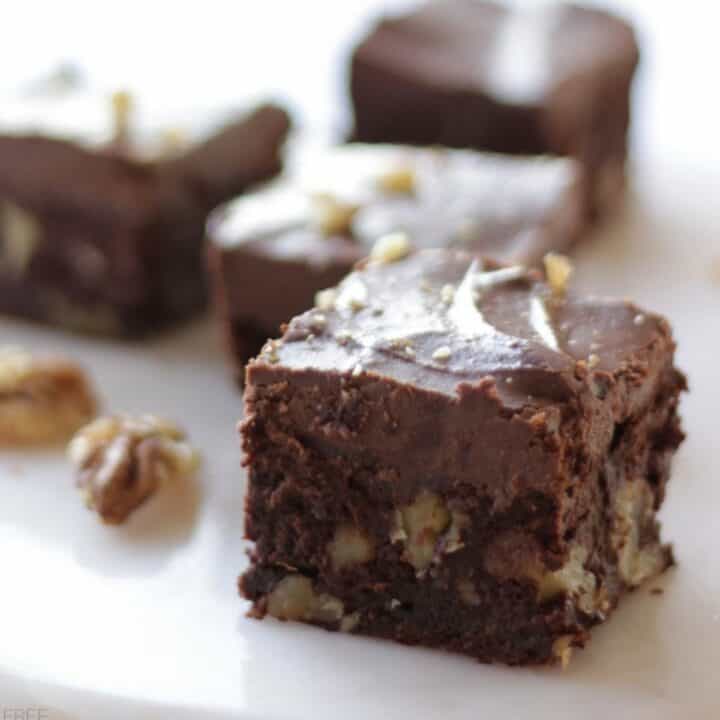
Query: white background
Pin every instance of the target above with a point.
(124, 623)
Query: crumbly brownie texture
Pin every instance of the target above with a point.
(459, 457)
(273, 250)
(42, 400)
(100, 239)
(122, 461)
(466, 73)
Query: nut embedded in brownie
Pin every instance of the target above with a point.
(555, 78)
(103, 232)
(271, 251)
(469, 459)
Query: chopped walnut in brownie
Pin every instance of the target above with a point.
(42, 400)
(123, 460)
(492, 492)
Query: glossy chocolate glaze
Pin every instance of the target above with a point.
(391, 319)
(538, 427)
(125, 187)
(513, 209)
(110, 241)
(515, 55)
(553, 78)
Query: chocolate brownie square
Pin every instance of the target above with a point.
(104, 232)
(457, 455)
(271, 251)
(468, 73)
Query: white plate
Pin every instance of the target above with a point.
(143, 621)
(149, 611)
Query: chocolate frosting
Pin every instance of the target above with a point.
(108, 185)
(512, 208)
(444, 319)
(514, 55)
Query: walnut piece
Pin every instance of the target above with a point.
(516, 555)
(634, 509)
(400, 180)
(325, 299)
(352, 295)
(123, 460)
(447, 294)
(562, 650)
(331, 215)
(429, 530)
(423, 522)
(391, 248)
(573, 580)
(294, 598)
(451, 540)
(122, 105)
(558, 269)
(350, 546)
(42, 400)
(21, 234)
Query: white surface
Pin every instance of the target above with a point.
(149, 611)
(143, 621)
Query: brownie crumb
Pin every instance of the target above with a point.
(332, 216)
(122, 108)
(325, 299)
(400, 180)
(391, 248)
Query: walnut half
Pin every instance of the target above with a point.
(350, 547)
(42, 400)
(123, 460)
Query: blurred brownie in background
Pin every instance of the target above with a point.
(102, 223)
(467, 73)
(273, 250)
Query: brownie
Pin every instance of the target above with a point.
(466, 73)
(273, 250)
(103, 234)
(453, 454)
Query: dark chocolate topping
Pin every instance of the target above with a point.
(439, 319)
(244, 152)
(515, 55)
(47, 175)
(487, 203)
(62, 177)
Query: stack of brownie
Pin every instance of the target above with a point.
(271, 251)
(450, 449)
